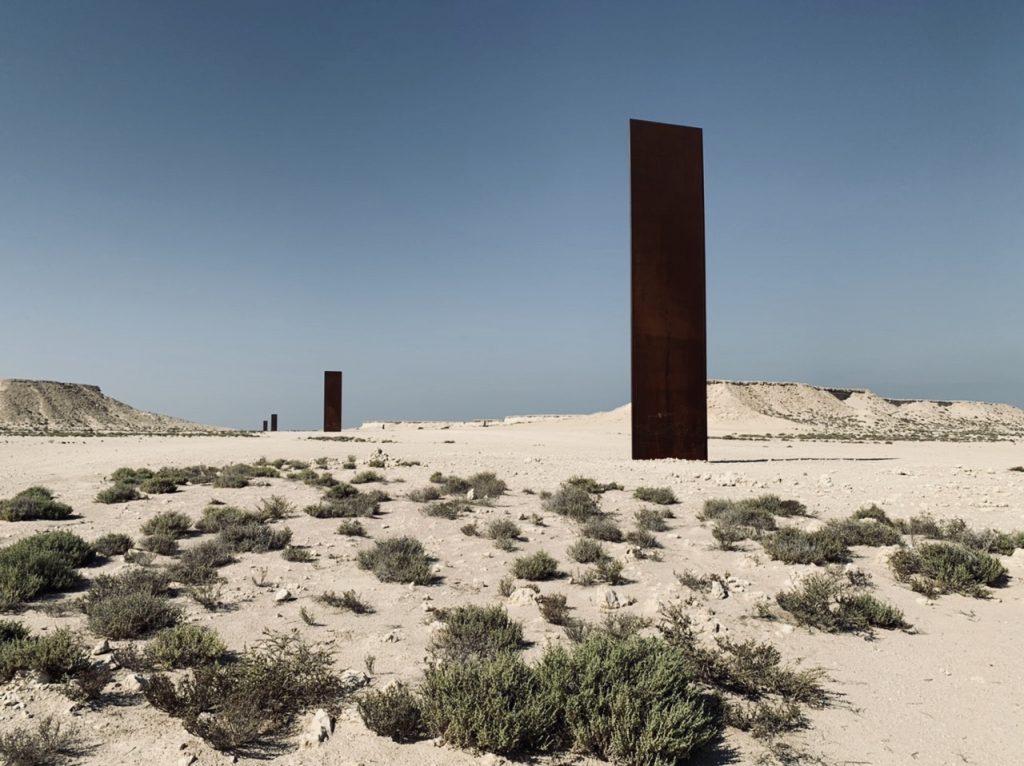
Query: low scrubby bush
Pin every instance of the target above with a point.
(486, 484)
(55, 656)
(425, 494)
(447, 509)
(480, 632)
(573, 502)
(161, 544)
(297, 554)
(400, 559)
(44, 563)
(864, 531)
(351, 528)
(158, 485)
(185, 646)
(934, 568)
(113, 544)
(349, 600)
(254, 537)
(794, 546)
(592, 486)
(586, 551)
(503, 529)
(362, 504)
(33, 503)
(46, 743)
(130, 604)
(255, 700)
(832, 602)
(538, 566)
(603, 529)
(393, 712)
(367, 477)
(652, 519)
(657, 495)
(118, 493)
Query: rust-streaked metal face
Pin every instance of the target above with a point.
(332, 400)
(273, 421)
(669, 339)
(264, 425)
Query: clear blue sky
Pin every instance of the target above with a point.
(203, 205)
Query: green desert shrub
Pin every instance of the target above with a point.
(503, 529)
(874, 513)
(766, 504)
(538, 566)
(170, 523)
(367, 477)
(643, 539)
(254, 537)
(628, 701)
(161, 544)
(218, 517)
(130, 604)
(486, 484)
(426, 494)
(400, 559)
(351, 528)
(361, 505)
(349, 601)
(592, 486)
(657, 495)
(125, 475)
(185, 646)
(935, 568)
(33, 503)
(274, 508)
(603, 529)
(393, 712)
(297, 554)
(198, 565)
(794, 546)
(255, 700)
(54, 656)
(447, 509)
(46, 743)
(480, 632)
(652, 519)
(158, 486)
(922, 525)
(451, 485)
(44, 563)
(499, 705)
(113, 544)
(574, 503)
(554, 608)
(586, 551)
(118, 493)
(341, 491)
(830, 601)
(864, 532)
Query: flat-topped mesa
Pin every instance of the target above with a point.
(49, 407)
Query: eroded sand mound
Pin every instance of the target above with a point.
(757, 407)
(44, 406)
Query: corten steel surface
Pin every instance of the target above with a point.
(273, 421)
(332, 401)
(669, 344)
(264, 425)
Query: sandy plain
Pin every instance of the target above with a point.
(949, 692)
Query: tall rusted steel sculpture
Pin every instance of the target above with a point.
(669, 338)
(264, 425)
(332, 400)
(273, 421)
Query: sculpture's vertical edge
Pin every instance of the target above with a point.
(273, 421)
(332, 400)
(669, 339)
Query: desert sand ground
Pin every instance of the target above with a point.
(949, 692)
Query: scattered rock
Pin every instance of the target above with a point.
(187, 760)
(103, 647)
(522, 597)
(609, 599)
(471, 494)
(319, 729)
(717, 591)
(283, 595)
